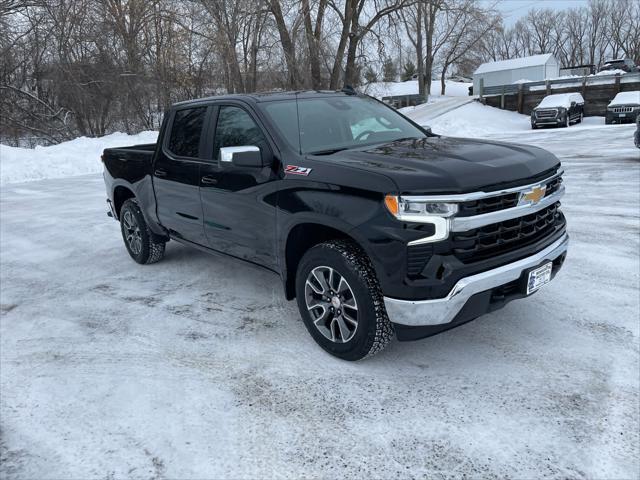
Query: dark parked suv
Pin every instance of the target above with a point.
(374, 224)
(624, 108)
(559, 110)
(625, 64)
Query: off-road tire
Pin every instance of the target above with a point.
(151, 248)
(374, 330)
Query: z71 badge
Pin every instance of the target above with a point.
(295, 170)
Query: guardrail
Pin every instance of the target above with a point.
(559, 83)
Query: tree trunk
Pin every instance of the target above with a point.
(420, 51)
(429, 20)
(350, 71)
(313, 41)
(349, 7)
(287, 44)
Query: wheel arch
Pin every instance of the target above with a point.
(121, 194)
(303, 236)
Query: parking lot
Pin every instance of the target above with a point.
(197, 367)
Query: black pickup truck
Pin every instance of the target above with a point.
(374, 224)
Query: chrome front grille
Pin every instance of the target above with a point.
(502, 237)
(502, 202)
(490, 224)
(548, 113)
(622, 109)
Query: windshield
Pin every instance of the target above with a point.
(327, 124)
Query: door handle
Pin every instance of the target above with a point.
(160, 173)
(208, 180)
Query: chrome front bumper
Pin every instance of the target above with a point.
(444, 310)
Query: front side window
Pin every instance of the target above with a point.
(330, 123)
(236, 128)
(186, 131)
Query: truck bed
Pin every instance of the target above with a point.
(131, 152)
(131, 162)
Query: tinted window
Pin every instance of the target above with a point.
(186, 130)
(236, 128)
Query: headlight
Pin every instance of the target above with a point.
(412, 209)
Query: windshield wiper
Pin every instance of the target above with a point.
(407, 138)
(330, 151)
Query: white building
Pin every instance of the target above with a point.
(507, 72)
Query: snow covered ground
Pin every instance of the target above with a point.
(197, 367)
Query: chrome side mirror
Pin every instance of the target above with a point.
(242, 156)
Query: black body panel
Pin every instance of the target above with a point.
(450, 165)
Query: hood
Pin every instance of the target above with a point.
(452, 165)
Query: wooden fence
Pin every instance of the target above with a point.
(597, 91)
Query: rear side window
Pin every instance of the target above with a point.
(236, 128)
(186, 131)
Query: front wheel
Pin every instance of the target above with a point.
(140, 241)
(340, 300)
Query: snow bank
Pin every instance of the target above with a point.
(474, 120)
(616, 71)
(626, 98)
(76, 157)
(387, 89)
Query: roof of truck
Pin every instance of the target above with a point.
(268, 96)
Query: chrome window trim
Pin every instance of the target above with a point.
(467, 197)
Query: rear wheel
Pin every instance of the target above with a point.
(141, 243)
(340, 301)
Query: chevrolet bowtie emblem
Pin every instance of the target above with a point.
(533, 196)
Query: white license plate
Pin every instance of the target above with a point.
(539, 277)
(622, 114)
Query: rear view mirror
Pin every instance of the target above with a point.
(573, 104)
(244, 156)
